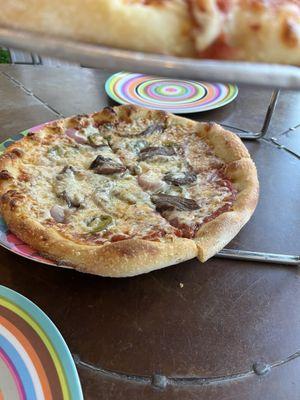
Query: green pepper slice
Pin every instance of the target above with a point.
(56, 150)
(100, 223)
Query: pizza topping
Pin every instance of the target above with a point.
(118, 237)
(99, 224)
(67, 188)
(136, 169)
(125, 195)
(219, 211)
(64, 196)
(76, 135)
(106, 166)
(184, 230)
(180, 178)
(67, 168)
(170, 143)
(55, 152)
(155, 128)
(150, 182)
(4, 174)
(127, 191)
(213, 199)
(102, 196)
(156, 234)
(72, 201)
(132, 147)
(97, 140)
(139, 145)
(58, 213)
(165, 202)
(151, 152)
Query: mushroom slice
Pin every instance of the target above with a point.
(155, 128)
(67, 189)
(106, 166)
(67, 199)
(68, 168)
(72, 200)
(180, 178)
(150, 152)
(166, 202)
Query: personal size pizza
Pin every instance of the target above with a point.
(127, 190)
(253, 30)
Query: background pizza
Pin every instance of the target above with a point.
(254, 30)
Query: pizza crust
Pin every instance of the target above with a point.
(121, 259)
(240, 169)
(214, 235)
(135, 256)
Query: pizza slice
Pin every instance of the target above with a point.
(158, 26)
(178, 169)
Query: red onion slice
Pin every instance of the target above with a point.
(58, 213)
(75, 135)
(149, 181)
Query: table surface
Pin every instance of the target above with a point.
(127, 335)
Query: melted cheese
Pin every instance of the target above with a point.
(60, 174)
(191, 153)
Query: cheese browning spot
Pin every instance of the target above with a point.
(290, 33)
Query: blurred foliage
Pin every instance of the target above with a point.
(4, 56)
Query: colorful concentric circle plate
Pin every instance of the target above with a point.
(176, 96)
(35, 363)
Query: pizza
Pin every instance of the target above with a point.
(127, 190)
(251, 30)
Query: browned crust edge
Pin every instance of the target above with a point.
(241, 170)
(120, 259)
(137, 256)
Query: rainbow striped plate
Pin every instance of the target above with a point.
(176, 96)
(35, 362)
